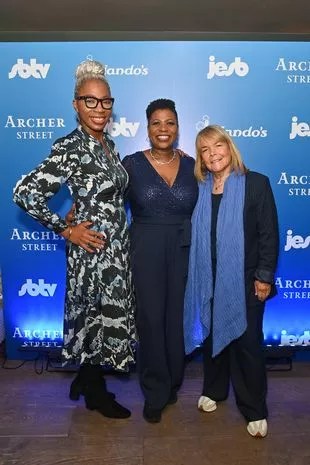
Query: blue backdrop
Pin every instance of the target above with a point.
(259, 91)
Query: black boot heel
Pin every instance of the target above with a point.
(76, 390)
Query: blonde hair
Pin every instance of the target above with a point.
(87, 70)
(216, 132)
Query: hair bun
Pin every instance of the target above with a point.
(90, 67)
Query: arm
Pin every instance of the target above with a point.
(33, 191)
(80, 234)
(268, 243)
(126, 162)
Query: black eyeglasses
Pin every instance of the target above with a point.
(92, 102)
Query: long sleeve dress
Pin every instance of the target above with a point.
(99, 303)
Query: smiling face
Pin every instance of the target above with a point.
(216, 155)
(163, 129)
(93, 120)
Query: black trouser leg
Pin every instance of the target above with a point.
(174, 312)
(247, 366)
(152, 364)
(215, 372)
(150, 280)
(159, 276)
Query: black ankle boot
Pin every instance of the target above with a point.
(104, 404)
(77, 387)
(96, 398)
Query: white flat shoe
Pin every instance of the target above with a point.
(206, 404)
(258, 428)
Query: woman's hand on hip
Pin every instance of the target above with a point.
(81, 235)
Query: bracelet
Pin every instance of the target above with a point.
(70, 232)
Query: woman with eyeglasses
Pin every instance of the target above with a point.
(99, 328)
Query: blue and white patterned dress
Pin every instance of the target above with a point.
(99, 306)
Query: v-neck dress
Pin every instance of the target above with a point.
(99, 315)
(160, 239)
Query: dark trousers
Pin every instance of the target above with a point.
(243, 363)
(159, 263)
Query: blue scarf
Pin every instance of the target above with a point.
(228, 293)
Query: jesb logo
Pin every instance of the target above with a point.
(299, 129)
(33, 289)
(296, 242)
(294, 339)
(25, 71)
(241, 68)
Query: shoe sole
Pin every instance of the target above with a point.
(104, 413)
(259, 430)
(257, 435)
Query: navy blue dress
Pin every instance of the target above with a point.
(160, 239)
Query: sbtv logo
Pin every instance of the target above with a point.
(296, 242)
(122, 128)
(131, 70)
(221, 69)
(301, 129)
(25, 70)
(34, 290)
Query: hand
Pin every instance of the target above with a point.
(81, 235)
(70, 216)
(181, 153)
(262, 290)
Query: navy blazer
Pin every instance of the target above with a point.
(261, 233)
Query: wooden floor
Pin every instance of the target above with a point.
(41, 426)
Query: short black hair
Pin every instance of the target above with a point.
(161, 104)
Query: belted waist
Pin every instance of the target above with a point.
(183, 221)
(172, 219)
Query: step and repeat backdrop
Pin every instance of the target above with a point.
(258, 91)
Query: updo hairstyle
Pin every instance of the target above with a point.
(87, 70)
